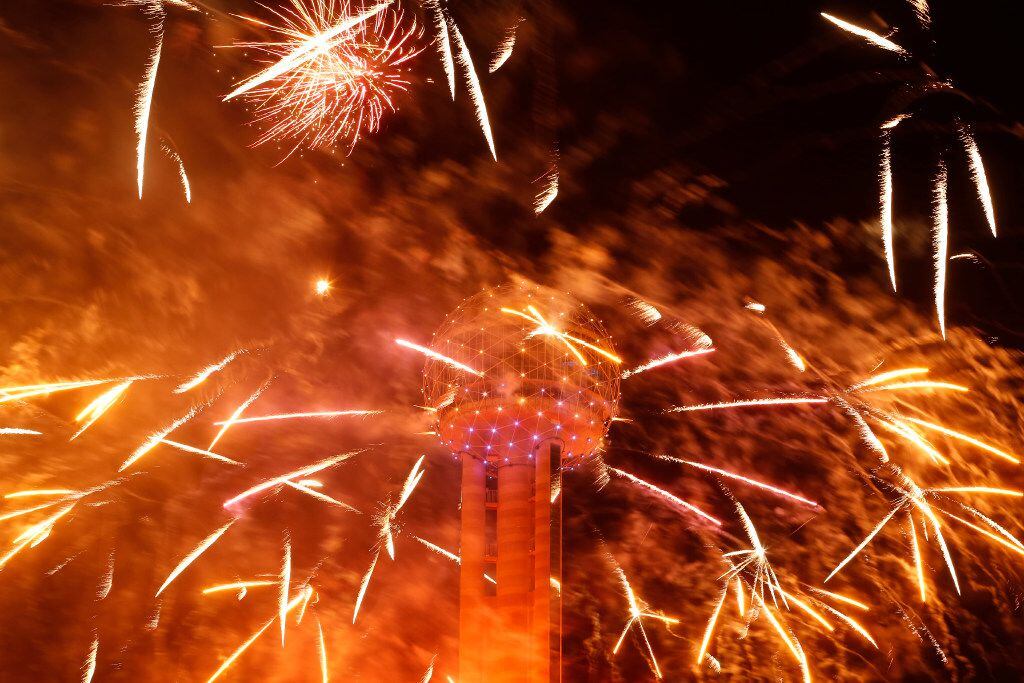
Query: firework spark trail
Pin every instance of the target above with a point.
(193, 556)
(977, 167)
(917, 498)
(886, 207)
(867, 35)
(293, 416)
(144, 103)
(301, 472)
(964, 437)
(321, 647)
(918, 562)
(306, 50)
(922, 384)
(157, 437)
(923, 12)
(665, 495)
(664, 360)
(9, 431)
(789, 639)
(8, 394)
(473, 82)
(545, 329)
(320, 496)
(904, 431)
(199, 451)
(443, 41)
(363, 586)
(430, 353)
(107, 582)
(636, 616)
(203, 374)
(867, 434)
(647, 312)
(390, 514)
(182, 175)
(851, 623)
(864, 543)
(979, 489)
(941, 244)
(841, 598)
(750, 403)
(739, 477)
(439, 550)
(41, 492)
(886, 376)
(547, 193)
(89, 666)
(429, 673)
(504, 48)
(99, 406)
(226, 425)
(296, 601)
(238, 585)
(710, 628)
(286, 581)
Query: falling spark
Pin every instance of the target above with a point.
(977, 167)
(108, 579)
(199, 451)
(647, 312)
(322, 650)
(443, 42)
(980, 489)
(182, 175)
(252, 639)
(886, 376)
(363, 586)
(302, 472)
(941, 243)
(918, 563)
(710, 628)
(238, 413)
(867, 35)
(665, 495)
(664, 360)
(238, 585)
(636, 616)
(886, 208)
(964, 437)
(99, 406)
(842, 598)
(293, 416)
(439, 550)
(40, 492)
(794, 358)
(319, 496)
(547, 193)
(430, 353)
(863, 544)
(286, 580)
(922, 384)
(144, 103)
(157, 437)
(475, 93)
(8, 394)
(89, 666)
(429, 673)
(544, 328)
(504, 49)
(739, 477)
(741, 606)
(193, 556)
(18, 430)
(795, 400)
(203, 374)
(923, 12)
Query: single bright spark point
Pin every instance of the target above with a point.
(322, 287)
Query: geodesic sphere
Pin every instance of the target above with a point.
(538, 368)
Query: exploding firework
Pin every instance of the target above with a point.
(334, 72)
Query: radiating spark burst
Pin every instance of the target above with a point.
(389, 516)
(296, 416)
(157, 437)
(334, 74)
(144, 101)
(12, 431)
(226, 424)
(504, 49)
(739, 477)
(977, 167)
(465, 60)
(443, 41)
(639, 611)
(548, 191)
(886, 206)
(430, 353)
(665, 495)
(286, 582)
(296, 474)
(940, 241)
(546, 329)
(205, 373)
(182, 175)
(664, 360)
(89, 666)
(99, 406)
(203, 546)
(867, 35)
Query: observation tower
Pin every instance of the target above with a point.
(525, 385)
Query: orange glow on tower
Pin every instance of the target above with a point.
(545, 387)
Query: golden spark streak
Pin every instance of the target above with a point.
(842, 598)
(245, 646)
(199, 451)
(710, 628)
(19, 431)
(794, 358)
(918, 561)
(89, 667)
(940, 241)
(293, 416)
(922, 384)
(979, 489)
(665, 495)
(664, 360)
(286, 580)
(28, 391)
(886, 207)
(306, 50)
(810, 611)
(429, 673)
(504, 49)
(740, 477)
(237, 585)
(203, 374)
(41, 492)
(867, 35)
(443, 41)
(319, 496)
(108, 580)
(322, 650)
(301, 472)
(794, 647)
(475, 93)
(155, 438)
(98, 406)
(796, 400)
(964, 437)
(411, 481)
(977, 167)
(546, 195)
(903, 430)
(1016, 546)
(145, 100)
(193, 556)
(740, 599)
(363, 586)
(439, 550)
(916, 497)
(430, 353)
(864, 543)
(852, 623)
(182, 175)
(237, 413)
(886, 376)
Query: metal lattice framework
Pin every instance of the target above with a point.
(538, 367)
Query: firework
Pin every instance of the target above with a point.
(11, 431)
(429, 353)
(941, 243)
(443, 41)
(365, 584)
(89, 667)
(296, 416)
(322, 287)
(193, 556)
(333, 73)
(205, 373)
(322, 651)
(886, 207)
(664, 360)
(238, 413)
(504, 49)
(870, 36)
(740, 477)
(157, 437)
(297, 474)
(182, 175)
(98, 406)
(465, 60)
(144, 101)
(549, 190)
(637, 613)
(286, 580)
(977, 167)
(665, 495)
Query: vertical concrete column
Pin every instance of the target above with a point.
(515, 570)
(473, 633)
(542, 567)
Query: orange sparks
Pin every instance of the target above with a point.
(297, 474)
(665, 495)
(751, 403)
(430, 353)
(203, 374)
(98, 406)
(977, 167)
(237, 585)
(321, 647)
(226, 424)
(286, 581)
(665, 360)
(322, 287)
(710, 628)
(940, 240)
(89, 668)
(870, 36)
(465, 60)
(842, 598)
(193, 556)
(918, 562)
(964, 437)
(295, 416)
(363, 586)
(157, 437)
(199, 451)
(886, 207)
(739, 477)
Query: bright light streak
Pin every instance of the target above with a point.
(443, 41)
(430, 353)
(852, 623)
(182, 175)
(439, 550)
(285, 586)
(842, 598)
(8, 394)
(977, 167)
(299, 473)
(245, 646)
(363, 586)
(199, 451)
(886, 376)
(322, 651)
(940, 242)
(89, 667)
(107, 581)
(203, 374)
(739, 477)
(710, 628)
(238, 413)
(193, 556)
(294, 416)
(922, 384)
(886, 208)
(665, 495)
(298, 486)
(504, 49)
(10, 431)
(741, 606)
(918, 562)
(238, 585)
(979, 489)
(549, 190)
(475, 93)
(664, 360)
(157, 437)
(751, 403)
(99, 405)
(144, 103)
(867, 35)
(864, 543)
(964, 437)
(41, 492)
